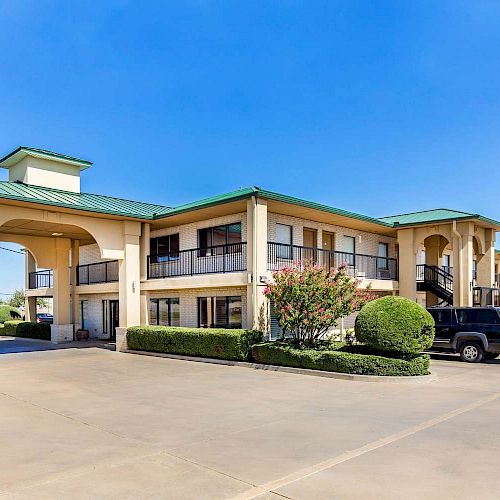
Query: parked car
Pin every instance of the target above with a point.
(44, 318)
(474, 332)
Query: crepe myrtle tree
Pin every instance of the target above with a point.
(309, 299)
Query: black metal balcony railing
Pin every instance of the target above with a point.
(41, 279)
(215, 259)
(100, 272)
(358, 265)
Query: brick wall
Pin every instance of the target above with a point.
(89, 254)
(366, 243)
(188, 233)
(93, 320)
(188, 301)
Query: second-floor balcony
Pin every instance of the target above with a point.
(41, 279)
(209, 260)
(358, 265)
(99, 272)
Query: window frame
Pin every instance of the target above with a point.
(284, 250)
(211, 311)
(209, 249)
(169, 301)
(171, 255)
(383, 260)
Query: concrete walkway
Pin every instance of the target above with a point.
(90, 423)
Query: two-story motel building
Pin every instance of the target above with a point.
(110, 263)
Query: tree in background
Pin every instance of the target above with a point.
(309, 299)
(17, 300)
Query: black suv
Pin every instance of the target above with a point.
(474, 332)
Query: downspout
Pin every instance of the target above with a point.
(459, 237)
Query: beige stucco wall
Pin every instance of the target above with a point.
(47, 173)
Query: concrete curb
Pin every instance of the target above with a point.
(421, 379)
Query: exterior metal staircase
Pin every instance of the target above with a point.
(437, 281)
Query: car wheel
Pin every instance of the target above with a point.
(472, 352)
(491, 355)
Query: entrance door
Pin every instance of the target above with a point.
(114, 318)
(310, 240)
(328, 247)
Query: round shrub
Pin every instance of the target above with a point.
(395, 324)
(8, 313)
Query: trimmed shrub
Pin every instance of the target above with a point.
(27, 329)
(9, 327)
(207, 342)
(395, 324)
(8, 313)
(274, 353)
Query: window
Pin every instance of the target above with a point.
(220, 312)
(105, 316)
(164, 312)
(383, 254)
(349, 249)
(446, 264)
(164, 248)
(477, 315)
(224, 238)
(84, 307)
(284, 237)
(441, 316)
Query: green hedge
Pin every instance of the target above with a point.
(207, 342)
(26, 329)
(395, 324)
(274, 353)
(8, 313)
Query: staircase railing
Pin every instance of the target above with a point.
(435, 279)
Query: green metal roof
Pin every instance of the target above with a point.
(270, 195)
(78, 201)
(127, 208)
(26, 150)
(435, 215)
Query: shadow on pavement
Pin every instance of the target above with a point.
(11, 345)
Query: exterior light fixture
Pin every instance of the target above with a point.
(57, 234)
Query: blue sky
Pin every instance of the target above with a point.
(379, 107)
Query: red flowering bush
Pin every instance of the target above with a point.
(309, 299)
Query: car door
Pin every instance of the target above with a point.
(489, 323)
(442, 320)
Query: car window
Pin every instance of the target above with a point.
(477, 316)
(441, 315)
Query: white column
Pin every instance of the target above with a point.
(129, 276)
(407, 264)
(145, 240)
(29, 302)
(62, 329)
(75, 299)
(257, 314)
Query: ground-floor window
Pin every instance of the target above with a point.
(84, 306)
(164, 312)
(220, 312)
(105, 316)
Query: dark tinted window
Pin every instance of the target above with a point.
(441, 316)
(477, 316)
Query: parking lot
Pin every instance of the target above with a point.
(91, 423)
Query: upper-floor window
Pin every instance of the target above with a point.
(284, 237)
(164, 248)
(349, 248)
(383, 256)
(220, 240)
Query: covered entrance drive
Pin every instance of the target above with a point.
(52, 224)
